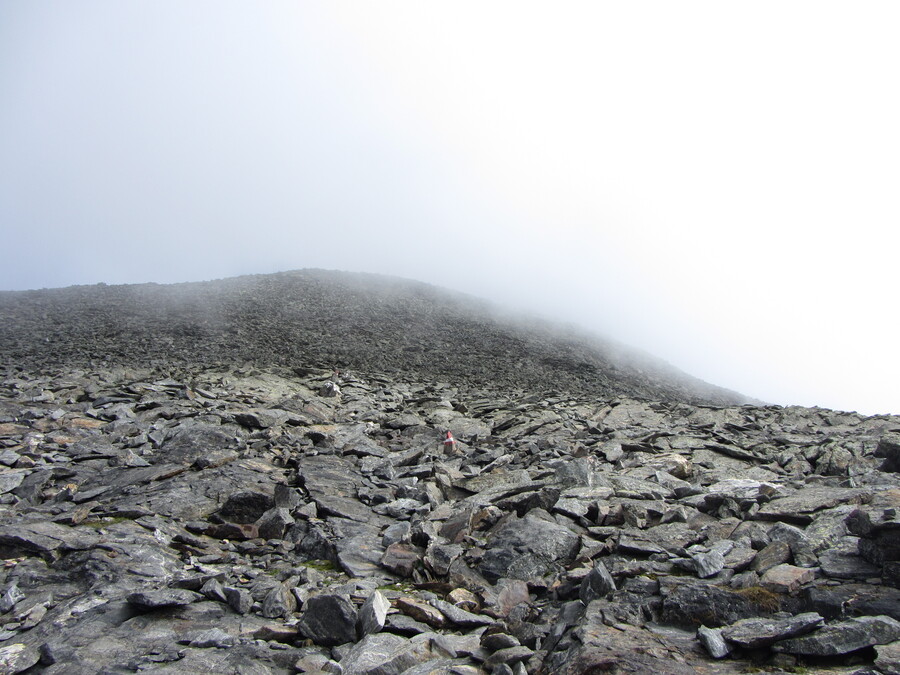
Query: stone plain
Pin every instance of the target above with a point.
(173, 502)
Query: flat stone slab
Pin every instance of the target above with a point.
(843, 637)
(786, 578)
(167, 597)
(800, 507)
(755, 633)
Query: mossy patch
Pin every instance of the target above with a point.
(320, 565)
(762, 597)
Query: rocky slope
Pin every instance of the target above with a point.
(207, 516)
(331, 320)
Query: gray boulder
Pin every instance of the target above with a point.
(329, 620)
(843, 637)
(529, 547)
(597, 584)
(755, 633)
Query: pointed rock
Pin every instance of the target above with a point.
(373, 614)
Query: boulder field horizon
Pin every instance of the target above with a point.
(253, 475)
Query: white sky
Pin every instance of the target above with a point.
(713, 182)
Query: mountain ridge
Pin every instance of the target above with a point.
(198, 479)
(336, 320)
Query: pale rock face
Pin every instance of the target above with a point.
(179, 489)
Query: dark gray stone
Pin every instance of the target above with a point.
(329, 620)
(373, 613)
(239, 599)
(843, 637)
(17, 658)
(755, 633)
(597, 584)
(246, 507)
(889, 448)
(524, 548)
(698, 603)
(167, 597)
(712, 640)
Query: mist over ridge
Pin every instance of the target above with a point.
(334, 320)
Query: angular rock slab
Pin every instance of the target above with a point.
(523, 548)
(888, 659)
(388, 654)
(329, 620)
(597, 584)
(167, 597)
(17, 658)
(843, 637)
(786, 578)
(715, 644)
(373, 613)
(692, 603)
(755, 633)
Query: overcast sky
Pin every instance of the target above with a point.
(717, 183)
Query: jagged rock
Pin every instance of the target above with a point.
(786, 578)
(524, 548)
(18, 657)
(888, 659)
(843, 637)
(170, 597)
(889, 448)
(329, 620)
(597, 584)
(755, 633)
(373, 613)
(712, 640)
(246, 507)
(263, 496)
(689, 603)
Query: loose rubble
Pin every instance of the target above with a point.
(241, 517)
(254, 519)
